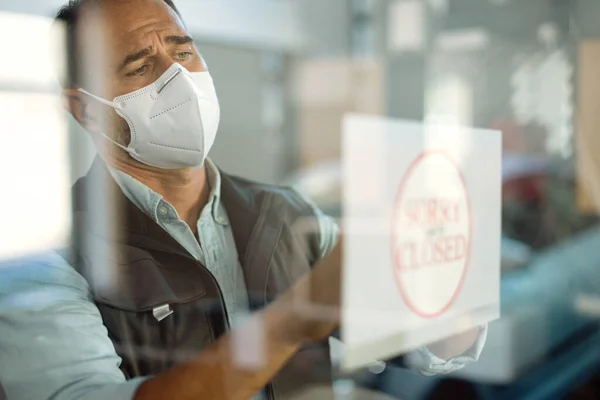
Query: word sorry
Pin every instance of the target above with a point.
(435, 249)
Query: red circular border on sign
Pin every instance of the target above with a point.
(397, 274)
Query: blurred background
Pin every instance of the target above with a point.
(287, 71)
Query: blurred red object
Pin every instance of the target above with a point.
(527, 190)
(523, 178)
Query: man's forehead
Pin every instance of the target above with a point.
(129, 20)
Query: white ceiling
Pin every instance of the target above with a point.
(256, 23)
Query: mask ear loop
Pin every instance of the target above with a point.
(128, 150)
(101, 100)
(113, 105)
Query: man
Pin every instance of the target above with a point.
(193, 293)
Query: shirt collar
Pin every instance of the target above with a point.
(148, 200)
(144, 198)
(214, 201)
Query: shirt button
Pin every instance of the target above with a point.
(162, 210)
(221, 220)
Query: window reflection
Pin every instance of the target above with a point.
(287, 73)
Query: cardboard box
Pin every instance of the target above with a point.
(326, 91)
(588, 127)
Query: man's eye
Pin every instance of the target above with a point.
(184, 55)
(139, 71)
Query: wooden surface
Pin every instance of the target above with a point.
(588, 127)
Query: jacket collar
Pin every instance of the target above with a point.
(255, 222)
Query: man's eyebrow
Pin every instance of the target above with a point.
(135, 56)
(174, 39)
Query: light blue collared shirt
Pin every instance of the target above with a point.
(214, 246)
(53, 343)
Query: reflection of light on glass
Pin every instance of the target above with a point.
(548, 34)
(463, 40)
(16, 70)
(33, 157)
(450, 98)
(449, 108)
(439, 6)
(406, 25)
(363, 144)
(542, 94)
(343, 388)
(34, 172)
(249, 349)
(588, 305)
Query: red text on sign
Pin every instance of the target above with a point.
(431, 252)
(427, 212)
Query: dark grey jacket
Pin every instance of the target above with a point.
(277, 240)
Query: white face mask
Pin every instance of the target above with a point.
(173, 121)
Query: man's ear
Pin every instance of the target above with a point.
(78, 105)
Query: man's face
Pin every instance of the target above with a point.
(129, 45)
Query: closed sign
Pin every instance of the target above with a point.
(421, 212)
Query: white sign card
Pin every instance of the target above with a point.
(421, 208)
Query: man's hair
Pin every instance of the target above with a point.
(69, 16)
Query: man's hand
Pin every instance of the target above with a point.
(455, 345)
(314, 301)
